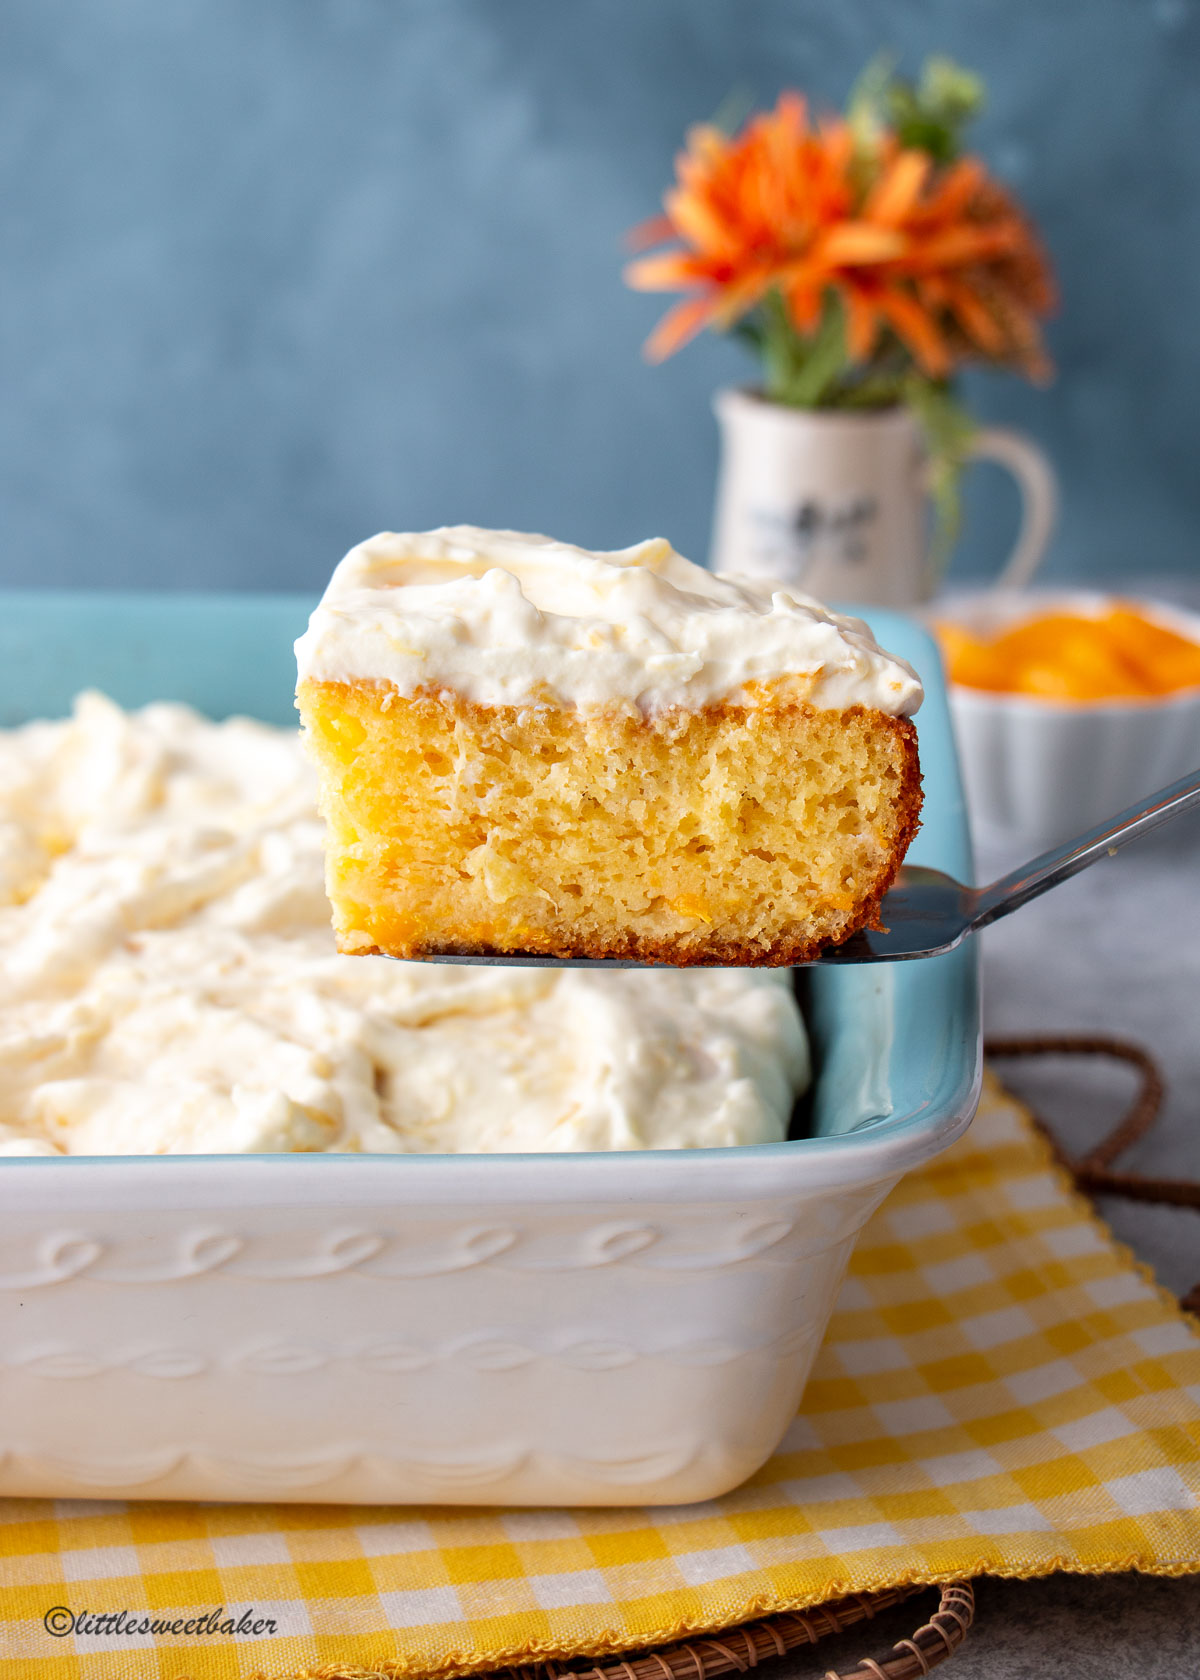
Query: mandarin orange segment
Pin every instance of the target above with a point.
(1163, 659)
(971, 660)
(1117, 655)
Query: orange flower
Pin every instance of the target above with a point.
(942, 258)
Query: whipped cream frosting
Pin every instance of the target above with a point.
(504, 619)
(169, 984)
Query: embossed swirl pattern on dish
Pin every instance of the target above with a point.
(60, 1256)
(57, 1361)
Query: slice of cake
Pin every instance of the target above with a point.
(525, 747)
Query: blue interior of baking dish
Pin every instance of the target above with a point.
(895, 1044)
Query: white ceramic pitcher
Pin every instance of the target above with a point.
(837, 502)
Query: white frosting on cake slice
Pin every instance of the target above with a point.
(504, 619)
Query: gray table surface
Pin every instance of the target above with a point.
(1114, 951)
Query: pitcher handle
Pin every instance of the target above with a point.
(1038, 485)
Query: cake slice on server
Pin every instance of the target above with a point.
(528, 748)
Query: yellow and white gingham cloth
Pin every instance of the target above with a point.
(1002, 1390)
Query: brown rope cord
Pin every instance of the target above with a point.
(737, 1650)
(1143, 1111)
(1093, 1172)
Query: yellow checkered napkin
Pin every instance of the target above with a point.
(1001, 1390)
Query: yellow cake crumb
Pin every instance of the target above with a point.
(751, 834)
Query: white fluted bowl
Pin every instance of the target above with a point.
(1036, 771)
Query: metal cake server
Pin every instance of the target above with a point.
(928, 912)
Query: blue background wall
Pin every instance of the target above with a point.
(275, 274)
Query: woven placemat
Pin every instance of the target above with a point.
(741, 1649)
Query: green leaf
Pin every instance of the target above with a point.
(933, 115)
(930, 115)
(867, 106)
(948, 92)
(876, 388)
(948, 431)
(733, 110)
(802, 371)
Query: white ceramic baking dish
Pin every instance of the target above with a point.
(583, 1329)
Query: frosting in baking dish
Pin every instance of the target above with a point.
(506, 619)
(168, 982)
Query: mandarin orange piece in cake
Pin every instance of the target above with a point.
(526, 747)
